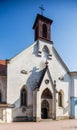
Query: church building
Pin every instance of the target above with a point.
(36, 84)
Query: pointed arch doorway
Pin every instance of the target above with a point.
(44, 109)
(46, 104)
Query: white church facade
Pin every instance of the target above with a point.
(36, 84)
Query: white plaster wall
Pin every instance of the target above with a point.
(74, 86)
(29, 61)
(65, 110)
(8, 113)
(57, 70)
(18, 111)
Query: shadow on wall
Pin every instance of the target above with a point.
(64, 78)
(31, 82)
(16, 107)
(65, 110)
(34, 77)
(17, 102)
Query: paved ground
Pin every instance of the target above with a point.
(47, 125)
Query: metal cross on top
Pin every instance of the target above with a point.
(42, 9)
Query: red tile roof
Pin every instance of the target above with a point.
(2, 62)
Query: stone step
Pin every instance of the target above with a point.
(46, 120)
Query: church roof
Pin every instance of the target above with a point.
(73, 73)
(42, 76)
(42, 18)
(3, 67)
(2, 62)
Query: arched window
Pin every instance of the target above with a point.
(46, 94)
(44, 31)
(0, 96)
(46, 51)
(60, 98)
(23, 97)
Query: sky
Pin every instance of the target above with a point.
(17, 18)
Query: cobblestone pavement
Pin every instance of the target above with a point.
(45, 125)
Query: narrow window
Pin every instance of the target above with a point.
(46, 52)
(23, 97)
(44, 31)
(45, 49)
(61, 98)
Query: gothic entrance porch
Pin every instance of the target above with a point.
(46, 104)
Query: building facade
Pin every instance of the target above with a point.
(36, 84)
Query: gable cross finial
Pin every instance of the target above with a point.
(42, 9)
